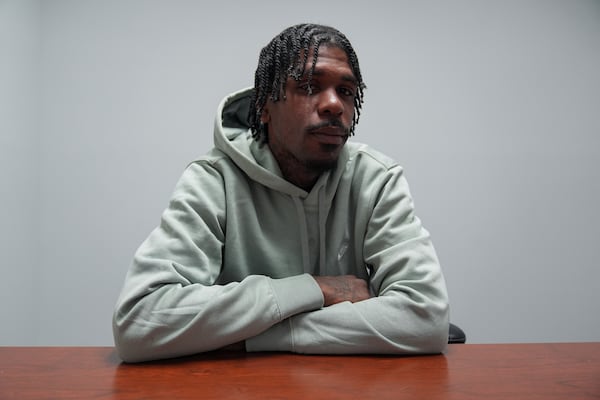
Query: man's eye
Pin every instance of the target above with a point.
(346, 92)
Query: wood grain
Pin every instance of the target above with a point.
(502, 371)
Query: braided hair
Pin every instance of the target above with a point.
(286, 56)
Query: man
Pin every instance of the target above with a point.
(285, 237)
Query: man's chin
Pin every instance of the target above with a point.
(328, 158)
(322, 165)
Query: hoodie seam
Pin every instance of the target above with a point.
(385, 163)
(276, 300)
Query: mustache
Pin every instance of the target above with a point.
(330, 124)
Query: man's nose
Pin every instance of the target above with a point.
(330, 103)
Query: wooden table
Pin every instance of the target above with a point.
(504, 371)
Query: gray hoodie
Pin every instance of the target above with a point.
(233, 256)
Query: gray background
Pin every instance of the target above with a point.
(491, 106)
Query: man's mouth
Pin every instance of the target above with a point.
(333, 132)
(328, 137)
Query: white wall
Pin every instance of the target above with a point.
(490, 106)
(19, 184)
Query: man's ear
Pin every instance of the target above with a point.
(265, 116)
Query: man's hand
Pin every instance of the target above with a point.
(342, 288)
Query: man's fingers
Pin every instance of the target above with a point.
(342, 288)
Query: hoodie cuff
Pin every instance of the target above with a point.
(294, 295)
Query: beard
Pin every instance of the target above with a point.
(324, 164)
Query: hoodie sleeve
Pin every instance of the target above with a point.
(170, 305)
(409, 313)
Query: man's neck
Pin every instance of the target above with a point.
(297, 173)
(300, 176)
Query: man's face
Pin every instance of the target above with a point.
(307, 130)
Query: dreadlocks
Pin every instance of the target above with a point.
(286, 56)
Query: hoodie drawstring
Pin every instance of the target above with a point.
(322, 232)
(303, 234)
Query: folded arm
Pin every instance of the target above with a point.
(170, 305)
(408, 313)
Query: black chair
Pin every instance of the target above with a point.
(456, 335)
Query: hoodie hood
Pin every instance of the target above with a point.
(232, 136)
